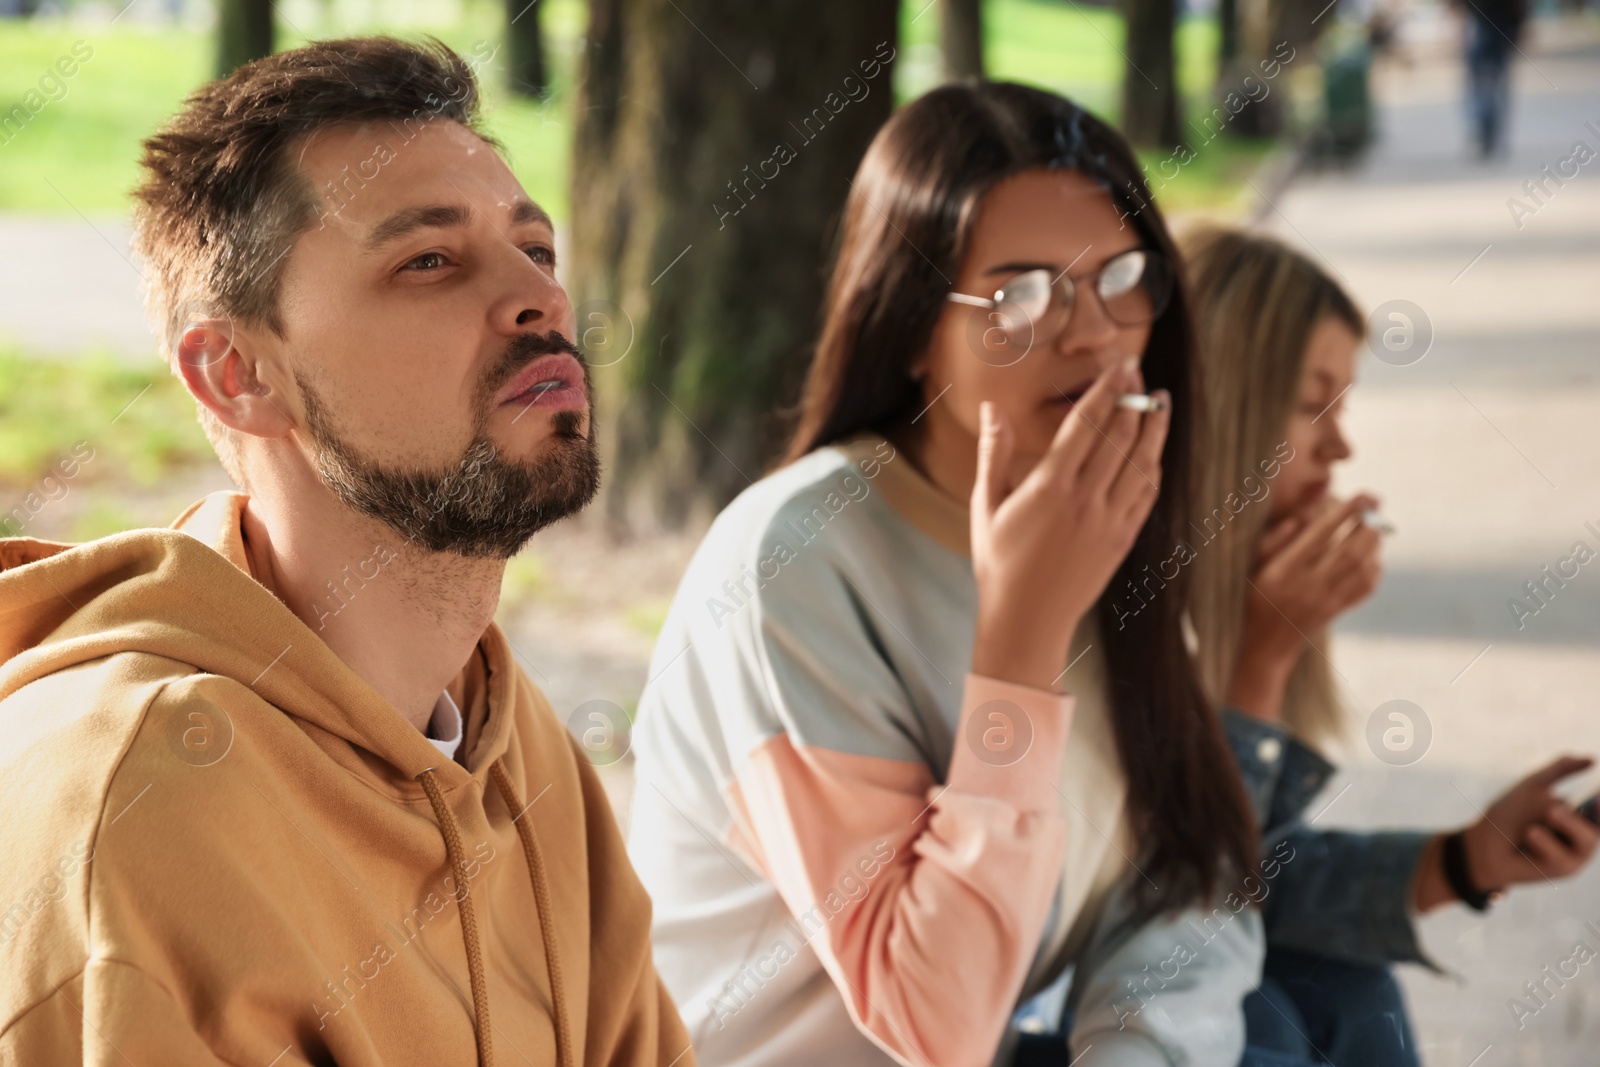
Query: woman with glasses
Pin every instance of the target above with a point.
(906, 754)
(1276, 560)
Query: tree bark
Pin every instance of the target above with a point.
(961, 38)
(1260, 27)
(244, 32)
(714, 150)
(1227, 36)
(525, 60)
(1150, 107)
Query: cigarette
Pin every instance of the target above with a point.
(1377, 521)
(1141, 402)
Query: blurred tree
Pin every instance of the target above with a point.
(244, 32)
(961, 38)
(1150, 108)
(525, 49)
(715, 145)
(1265, 32)
(1227, 35)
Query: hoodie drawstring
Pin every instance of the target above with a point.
(541, 896)
(469, 921)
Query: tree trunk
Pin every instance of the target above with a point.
(525, 49)
(1259, 28)
(244, 32)
(714, 149)
(1150, 108)
(1227, 36)
(961, 38)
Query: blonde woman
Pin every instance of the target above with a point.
(1276, 560)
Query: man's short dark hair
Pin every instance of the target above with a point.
(223, 198)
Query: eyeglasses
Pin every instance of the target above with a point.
(1133, 288)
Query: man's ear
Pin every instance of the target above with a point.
(219, 364)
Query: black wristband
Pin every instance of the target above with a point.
(1455, 872)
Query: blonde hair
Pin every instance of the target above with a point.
(1256, 303)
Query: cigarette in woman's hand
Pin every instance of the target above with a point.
(1375, 520)
(1141, 402)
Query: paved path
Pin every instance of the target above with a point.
(70, 285)
(1487, 454)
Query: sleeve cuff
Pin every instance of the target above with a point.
(1394, 858)
(1348, 895)
(1009, 742)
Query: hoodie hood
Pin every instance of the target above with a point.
(186, 593)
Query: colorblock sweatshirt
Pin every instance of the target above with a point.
(224, 847)
(860, 852)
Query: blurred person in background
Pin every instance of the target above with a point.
(1279, 340)
(910, 751)
(1492, 30)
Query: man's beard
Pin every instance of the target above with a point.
(483, 505)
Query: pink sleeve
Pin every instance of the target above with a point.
(925, 903)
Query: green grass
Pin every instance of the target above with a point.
(139, 422)
(526, 577)
(1212, 179)
(648, 617)
(80, 152)
(1077, 50)
(102, 518)
(1073, 49)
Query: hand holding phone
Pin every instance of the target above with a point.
(1529, 834)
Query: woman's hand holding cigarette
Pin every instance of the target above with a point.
(1044, 550)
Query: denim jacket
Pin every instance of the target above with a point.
(1345, 895)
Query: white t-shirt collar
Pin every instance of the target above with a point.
(445, 727)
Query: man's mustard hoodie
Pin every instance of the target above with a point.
(222, 846)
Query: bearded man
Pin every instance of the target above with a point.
(276, 791)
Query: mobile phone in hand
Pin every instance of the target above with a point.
(1589, 809)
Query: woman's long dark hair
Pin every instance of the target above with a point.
(905, 231)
